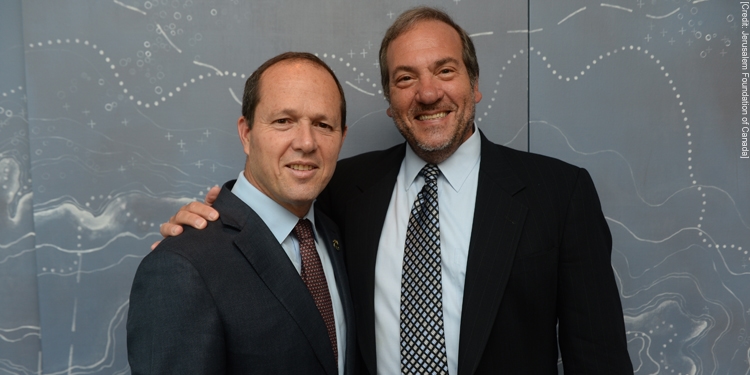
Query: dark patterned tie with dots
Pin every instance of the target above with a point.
(422, 333)
(313, 276)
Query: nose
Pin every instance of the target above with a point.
(304, 138)
(429, 90)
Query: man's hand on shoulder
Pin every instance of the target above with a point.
(194, 214)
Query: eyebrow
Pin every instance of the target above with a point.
(286, 112)
(446, 60)
(440, 62)
(291, 112)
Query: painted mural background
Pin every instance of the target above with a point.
(115, 113)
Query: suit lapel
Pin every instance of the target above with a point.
(498, 220)
(365, 216)
(270, 262)
(496, 229)
(333, 244)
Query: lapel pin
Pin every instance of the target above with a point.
(336, 245)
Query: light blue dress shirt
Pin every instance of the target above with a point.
(281, 222)
(457, 191)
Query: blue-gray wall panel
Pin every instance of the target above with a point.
(132, 112)
(646, 96)
(128, 108)
(20, 348)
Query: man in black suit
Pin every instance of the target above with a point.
(263, 289)
(522, 245)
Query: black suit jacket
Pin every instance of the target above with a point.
(539, 255)
(227, 300)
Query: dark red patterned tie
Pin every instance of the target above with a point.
(313, 276)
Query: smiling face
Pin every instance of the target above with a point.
(432, 99)
(296, 134)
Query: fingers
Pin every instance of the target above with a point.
(194, 214)
(169, 229)
(212, 194)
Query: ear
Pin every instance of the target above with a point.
(344, 130)
(243, 130)
(388, 112)
(477, 93)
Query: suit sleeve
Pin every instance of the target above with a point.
(591, 328)
(173, 325)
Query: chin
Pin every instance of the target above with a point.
(435, 143)
(432, 148)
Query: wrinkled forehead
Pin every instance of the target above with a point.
(297, 70)
(433, 37)
(300, 87)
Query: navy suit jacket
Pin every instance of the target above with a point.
(227, 300)
(540, 255)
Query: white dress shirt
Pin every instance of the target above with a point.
(281, 222)
(457, 191)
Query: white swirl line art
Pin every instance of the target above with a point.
(130, 7)
(571, 15)
(524, 31)
(616, 7)
(358, 89)
(161, 31)
(664, 16)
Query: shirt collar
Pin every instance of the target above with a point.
(454, 169)
(278, 219)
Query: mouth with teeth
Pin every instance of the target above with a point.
(300, 167)
(433, 116)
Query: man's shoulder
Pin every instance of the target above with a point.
(214, 241)
(191, 238)
(524, 158)
(528, 164)
(395, 153)
(204, 249)
(367, 167)
(538, 173)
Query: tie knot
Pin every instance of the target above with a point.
(430, 172)
(303, 230)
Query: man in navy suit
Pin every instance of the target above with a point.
(263, 289)
(524, 248)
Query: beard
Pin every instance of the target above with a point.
(442, 150)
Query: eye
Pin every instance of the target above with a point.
(325, 126)
(281, 121)
(403, 79)
(446, 71)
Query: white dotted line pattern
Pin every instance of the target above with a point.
(380, 92)
(7, 112)
(497, 83)
(647, 337)
(12, 91)
(121, 83)
(158, 90)
(593, 63)
(353, 68)
(685, 119)
(177, 88)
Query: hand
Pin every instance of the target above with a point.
(194, 214)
